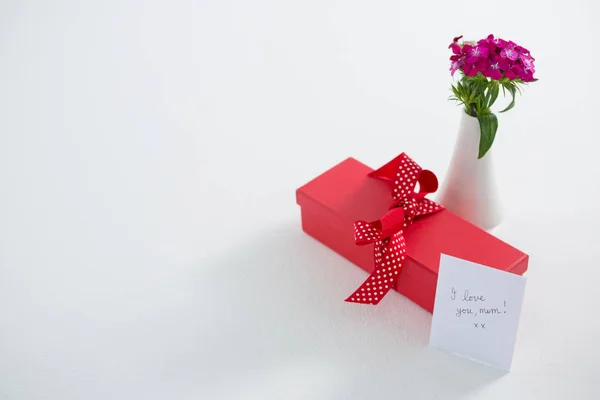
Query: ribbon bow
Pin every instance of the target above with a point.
(387, 234)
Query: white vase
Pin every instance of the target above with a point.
(469, 188)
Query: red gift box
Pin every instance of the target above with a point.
(331, 203)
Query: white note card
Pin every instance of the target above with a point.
(476, 312)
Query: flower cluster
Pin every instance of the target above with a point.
(494, 58)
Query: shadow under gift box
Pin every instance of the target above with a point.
(331, 203)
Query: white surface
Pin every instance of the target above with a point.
(469, 188)
(150, 245)
(477, 310)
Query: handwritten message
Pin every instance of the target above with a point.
(474, 306)
(477, 310)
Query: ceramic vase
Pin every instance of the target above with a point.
(469, 188)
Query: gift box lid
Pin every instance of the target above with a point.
(347, 191)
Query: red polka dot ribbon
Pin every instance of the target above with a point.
(387, 234)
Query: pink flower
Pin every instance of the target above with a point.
(510, 52)
(513, 71)
(473, 69)
(510, 74)
(497, 42)
(527, 62)
(477, 52)
(503, 63)
(493, 57)
(454, 45)
(455, 66)
(493, 70)
(528, 68)
(493, 73)
(455, 48)
(470, 69)
(456, 39)
(527, 76)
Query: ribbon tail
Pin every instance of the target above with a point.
(389, 260)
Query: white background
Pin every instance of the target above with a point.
(150, 245)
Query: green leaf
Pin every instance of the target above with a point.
(512, 89)
(486, 95)
(488, 125)
(494, 90)
(519, 87)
